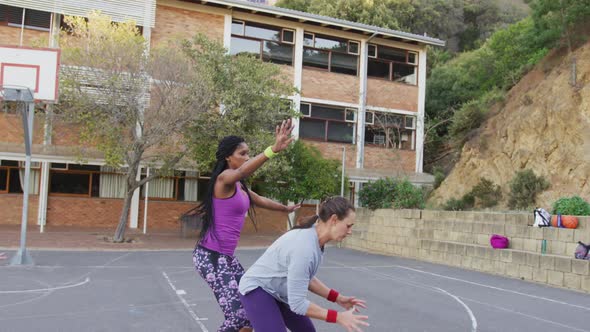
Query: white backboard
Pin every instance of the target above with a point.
(34, 68)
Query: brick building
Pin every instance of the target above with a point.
(356, 82)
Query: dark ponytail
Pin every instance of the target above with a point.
(227, 146)
(339, 206)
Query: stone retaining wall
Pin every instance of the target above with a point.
(462, 239)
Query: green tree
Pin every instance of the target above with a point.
(307, 176)
(131, 104)
(251, 94)
(556, 20)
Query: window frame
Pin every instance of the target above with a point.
(347, 52)
(176, 192)
(68, 171)
(369, 51)
(18, 168)
(305, 115)
(283, 36)
(392, 64)
(410, 133)
(327, 122)
(5, 21)
(262, 40)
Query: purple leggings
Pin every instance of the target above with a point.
(269, 315)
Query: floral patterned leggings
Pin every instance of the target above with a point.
(223, 273)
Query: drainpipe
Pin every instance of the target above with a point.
(360, 138)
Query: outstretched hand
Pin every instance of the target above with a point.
(283, 136)
(350, 321)
(348, 302)
(292, 208)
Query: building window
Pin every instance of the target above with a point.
(187, 186)
(271, 44)
(74, 180)
(392, 64)
(12, 177)
(327, 123)
(330, 53)
(111, 182)
(34, 19)
(388, 130)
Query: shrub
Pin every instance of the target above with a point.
(439, 176)
(464, 203)
(575, 206)
(524, 188)
(407, 196)
(486, 193)
(377, 194)
(471, 115)
(387, 193)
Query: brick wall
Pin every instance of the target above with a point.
(330, 86)
(389, 94)
(101, 212)
(462, 239)
(375, 157)
(392, 159)
(331, 150)
(83, 211)
(173, 23)
(11, 127)
(11, 36)
(11, 209)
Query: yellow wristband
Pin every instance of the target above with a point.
(269, 153)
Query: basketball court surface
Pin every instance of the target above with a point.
(160, 291)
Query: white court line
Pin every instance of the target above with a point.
(523, 314)
(463, 281)
(46, 289)
(423, 286)
(93, 312)
(186, 305)
(34, 299)
(494, 288)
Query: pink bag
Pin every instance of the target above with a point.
(499, 241)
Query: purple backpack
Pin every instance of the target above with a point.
(499, 241)
(582, 251)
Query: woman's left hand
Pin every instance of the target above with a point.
(291, 208)
(348, 302)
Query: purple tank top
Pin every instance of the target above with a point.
(229, 215)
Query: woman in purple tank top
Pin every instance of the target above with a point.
(224, 211)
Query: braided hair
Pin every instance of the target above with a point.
(227, 146)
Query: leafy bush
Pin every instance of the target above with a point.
(439, 176)
(377, 194)
(471, 115)
(464, 203)
(575, 206)
(387, 193)
(524, 187)
(408, 196)
(486, 193)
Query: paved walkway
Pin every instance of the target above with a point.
(81, 238)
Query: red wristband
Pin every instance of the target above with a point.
(332, 316)
(333, 295)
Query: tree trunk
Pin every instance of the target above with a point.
(120, 232)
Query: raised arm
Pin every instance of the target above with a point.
(269, 204)
(282, 141)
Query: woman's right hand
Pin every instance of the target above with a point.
(283, 136)
(350, 321)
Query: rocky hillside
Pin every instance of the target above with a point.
(543, 125)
